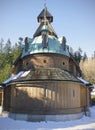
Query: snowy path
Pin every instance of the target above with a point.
(86, 123)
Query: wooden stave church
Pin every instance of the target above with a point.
(45, 84)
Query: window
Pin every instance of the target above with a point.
(73, 93)
(63, 63)
(16, 92)
(44, 61)
(27, 63)
(45, 90)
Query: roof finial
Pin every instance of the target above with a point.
(45, 19)
(44, 3)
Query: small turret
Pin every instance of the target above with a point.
(49, 17)
(45, 18)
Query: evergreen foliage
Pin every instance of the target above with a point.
(78, 55)
(8, 54)
(84, 56)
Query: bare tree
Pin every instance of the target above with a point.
(88, 69)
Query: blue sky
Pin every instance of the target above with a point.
(74, 19)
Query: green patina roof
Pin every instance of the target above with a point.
(45, 28)
(54, 46)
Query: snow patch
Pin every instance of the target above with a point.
(13, 77)
(25, 73)
(85, 123)
(82, 80)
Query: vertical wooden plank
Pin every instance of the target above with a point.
(47, 96)
(66, 96)
(32, 92)
(60, 96)
(37, 93)
(50, 96)
(69, 95)
(55, 96)
(58, 102)
(63, 88)
(63, 95)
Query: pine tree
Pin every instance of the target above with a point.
(84, 57)
(78, 55)
(8, 55)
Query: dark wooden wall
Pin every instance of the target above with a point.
(48, 98)
(46, 60)
(1, 93)
(7, 98)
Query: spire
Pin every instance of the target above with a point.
(45, 19)
(44, 3)
(45, 15)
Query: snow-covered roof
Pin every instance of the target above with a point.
(93, 93)
(13, 77)
(83, 81)
(18, 75)
(30, 75)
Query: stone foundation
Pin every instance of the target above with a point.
(38, 118)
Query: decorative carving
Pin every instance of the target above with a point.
(44, 40)
(64, 43)
(26, 44)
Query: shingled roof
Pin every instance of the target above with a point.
(48, 16)
(45, 74)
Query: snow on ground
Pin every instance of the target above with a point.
(86, 123)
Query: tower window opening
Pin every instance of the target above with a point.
(44, 61)
(63, 63)
(27, 64)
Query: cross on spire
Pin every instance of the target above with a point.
(45, 19)
(45, 16)
(44, 3)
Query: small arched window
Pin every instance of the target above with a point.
(63, 63)
(44, 61)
